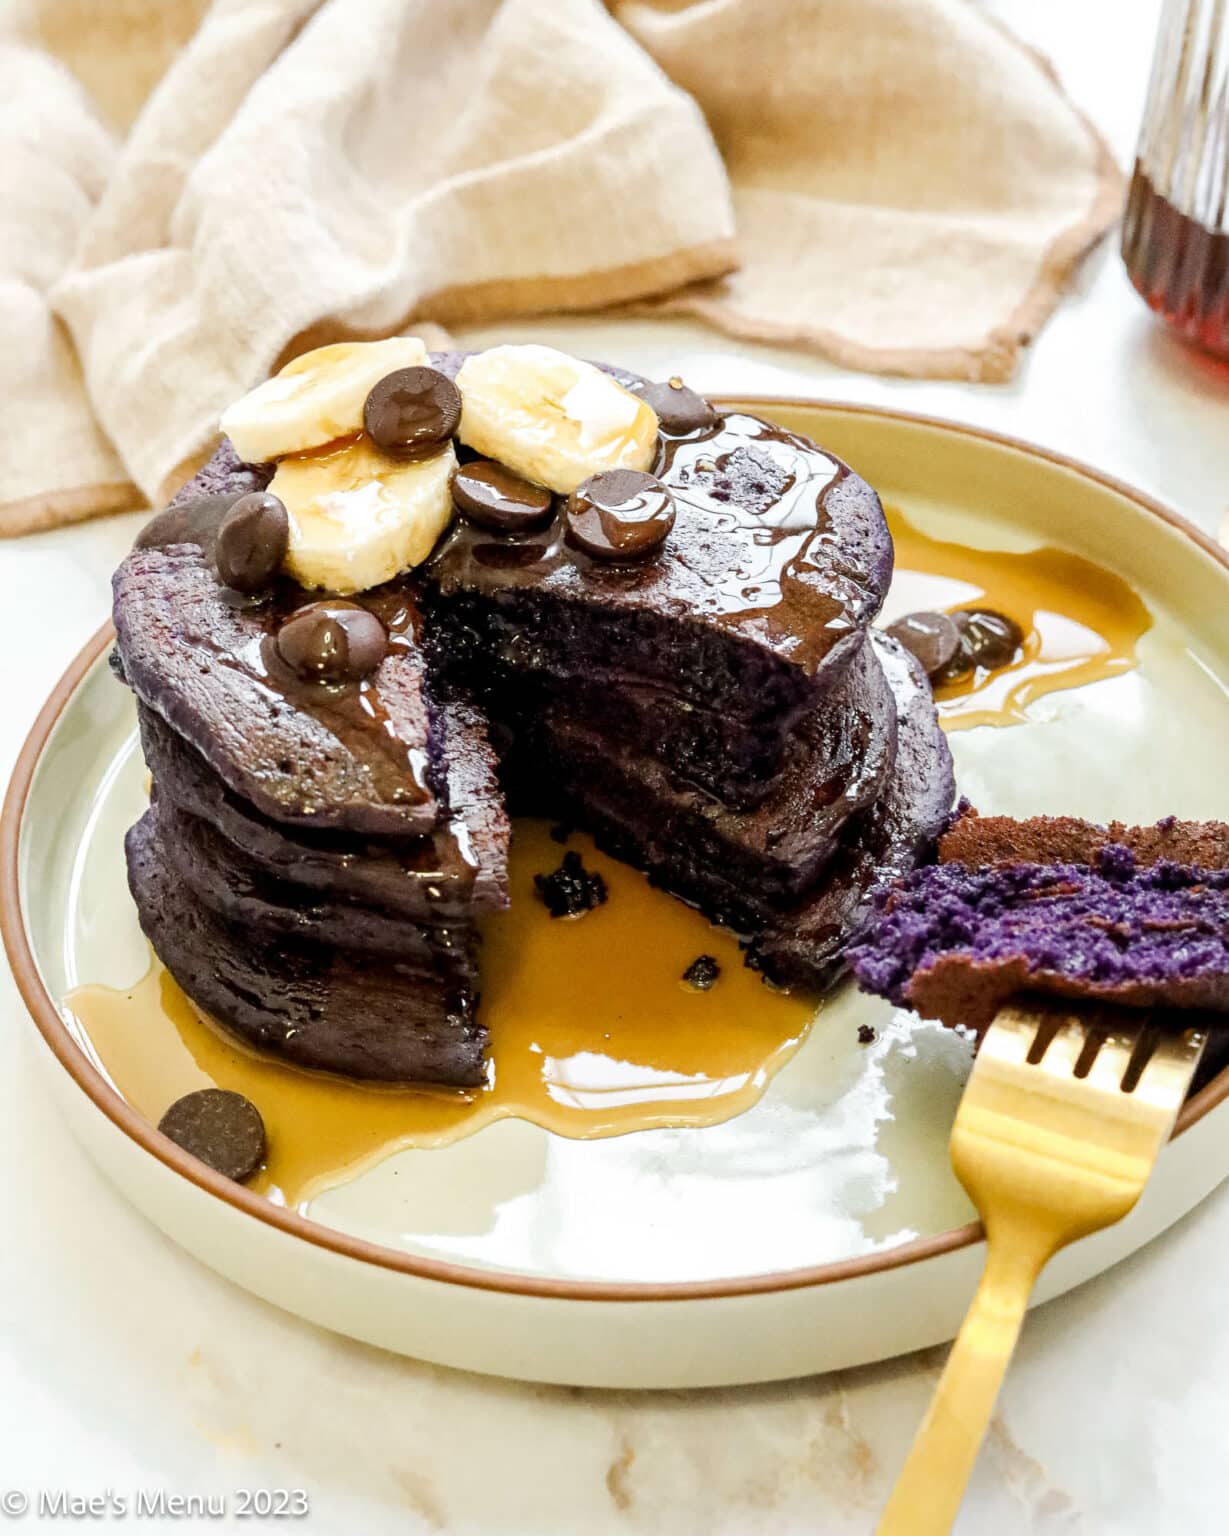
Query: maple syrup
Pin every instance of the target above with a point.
(593, 1032)
(1080, 622)
(1179, 265)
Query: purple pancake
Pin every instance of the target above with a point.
(755, 606)
(1115, 921)
(737, 866)
(714, 714)
(315, 1005)
(807, 945)
(457, 872)
(300, 754)
(237, 891)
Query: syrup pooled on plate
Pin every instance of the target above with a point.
(1081, 622)
(593, 1033)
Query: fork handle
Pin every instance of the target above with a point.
(930, 1487)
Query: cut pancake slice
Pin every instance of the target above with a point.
(235, 890)
(457, 871)
(736, 866)
(301, 753)
(310, 1003)
(1132, 916)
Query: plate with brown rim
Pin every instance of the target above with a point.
(648, 1229)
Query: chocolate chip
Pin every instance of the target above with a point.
(866, 1035)
(332, 642)
(932, 637)
(221, 1128)
(679, 410)
(572, 890)
(412, 413)
(494, 497)
(620, 514)
(252, 542)
(988, 639)
(702, 973)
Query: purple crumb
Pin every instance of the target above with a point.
(702, 973)
(1111, 925)
(572, 890)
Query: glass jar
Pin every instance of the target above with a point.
(1175, 233)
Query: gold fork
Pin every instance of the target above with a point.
(1057, 1132)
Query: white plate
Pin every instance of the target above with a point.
(820, 1229)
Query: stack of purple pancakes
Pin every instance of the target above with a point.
(317, 860)
(314, 860)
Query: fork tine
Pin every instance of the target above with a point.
(1167, 1073)
(1146, 1040)
(1049, 1019)
(1066, 1048)
(1095, 1037)
(1113, 1061)
(1010, 1038)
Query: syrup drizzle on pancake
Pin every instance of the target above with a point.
(353, 712)
(349, 711)
(593, 1032)
(782, 503)
(741, 475)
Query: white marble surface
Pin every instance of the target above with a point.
(124, 1365)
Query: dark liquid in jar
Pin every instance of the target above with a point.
(1180, 266)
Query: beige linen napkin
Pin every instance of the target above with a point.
(54, 157)
(911, 189)
(895, 183)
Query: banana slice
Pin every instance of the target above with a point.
(552, 418)
(316, 399)
(358, 518)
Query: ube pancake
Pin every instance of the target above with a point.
(363, 758)
(738, 762)
(737, 863)
(314, 1005)
(235, 889)
(454, 872)
(778, 561)
(806, 945)
(1131, 916)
